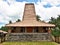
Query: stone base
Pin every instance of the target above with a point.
(29, 37)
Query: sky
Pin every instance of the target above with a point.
(13, 9)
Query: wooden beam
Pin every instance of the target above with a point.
(9, 30)
(49, 30)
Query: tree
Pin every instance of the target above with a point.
(52, 20)
(38, 18)
(56, 21)
(18, 20)
(4, 28)
(10, 22)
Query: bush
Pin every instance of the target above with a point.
(56, 31)
(4, 28)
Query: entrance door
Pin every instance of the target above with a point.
(29, 30)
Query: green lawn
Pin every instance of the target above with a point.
(29, 43)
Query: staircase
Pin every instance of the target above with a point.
(29, 37)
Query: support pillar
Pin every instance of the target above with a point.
(49, 30)
(9, 31)
(25, 29)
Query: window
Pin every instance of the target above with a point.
(22, 29)
(13, 29)
(45, 29)
(36, 29)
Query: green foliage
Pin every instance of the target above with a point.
(10, 22)
(18, 20)
(52, 20)
(38, 18)
(56, 21)
(4, 28)
(56, 31)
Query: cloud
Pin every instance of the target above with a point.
(53, 2)
(48, 5)
(8, 12)
(27, 0)
(46, 13)
(58, 5)
(14, 9)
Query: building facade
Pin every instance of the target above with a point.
(29, 23)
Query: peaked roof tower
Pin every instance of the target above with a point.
(29, 19)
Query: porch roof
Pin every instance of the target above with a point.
(30, 24)
(3, 31)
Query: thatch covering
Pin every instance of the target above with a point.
(29, 19)
(3, 31)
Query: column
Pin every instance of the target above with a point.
(49, 30)
(9, 30)
(25, 29)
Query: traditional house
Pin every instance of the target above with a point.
(2, 35)
(29, 23)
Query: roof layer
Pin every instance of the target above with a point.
(3, 31)
(29, 19)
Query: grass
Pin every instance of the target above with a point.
(29, 43)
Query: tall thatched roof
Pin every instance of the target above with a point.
(29, 19)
